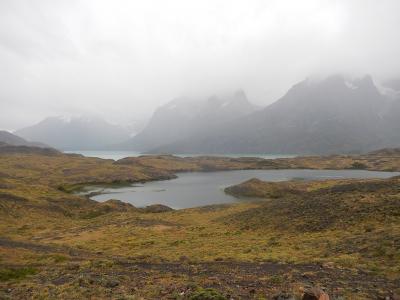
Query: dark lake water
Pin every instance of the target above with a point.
(205, 188)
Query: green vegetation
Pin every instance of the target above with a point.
(207, 294)
(359, 165)
(15, 274)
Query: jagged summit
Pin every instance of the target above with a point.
(185, 117)
(326, 115)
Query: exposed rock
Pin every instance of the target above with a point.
(315, 294)
(156, 208)
(107, 207)
(117, 205)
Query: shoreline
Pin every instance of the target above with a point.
(93, 190)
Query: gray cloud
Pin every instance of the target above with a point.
(121, 59)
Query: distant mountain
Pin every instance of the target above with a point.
(386, 152)
(79, 133)
(185, 117)
(14, 140)
(136, 126)
(333, 115)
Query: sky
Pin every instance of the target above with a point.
(121, 59)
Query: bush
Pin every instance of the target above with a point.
(358, 165)
(207, 294)
(12, 274)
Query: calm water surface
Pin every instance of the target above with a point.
(205, 188)
(115, 155)
(121, 154)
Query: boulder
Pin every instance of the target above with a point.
(315, 294)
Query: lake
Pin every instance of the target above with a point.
(115, 155)
(205, 188)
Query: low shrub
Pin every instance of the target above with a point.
(14, 274)
(207, 294)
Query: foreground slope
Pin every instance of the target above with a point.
(341, 235)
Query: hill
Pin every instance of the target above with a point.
(11, 149)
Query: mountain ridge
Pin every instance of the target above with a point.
(11, 139)
(184, 117)
(332, 115)
(78, 133)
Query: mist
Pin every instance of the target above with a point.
(122, 59)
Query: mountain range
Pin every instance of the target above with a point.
(13, 140)
(330, 115)
(78, 133)
(184, 118)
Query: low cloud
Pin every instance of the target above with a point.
(121, 59)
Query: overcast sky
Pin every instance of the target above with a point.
(122, 59)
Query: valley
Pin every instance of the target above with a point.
(200, 150)
(341, 234)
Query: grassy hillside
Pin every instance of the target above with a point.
(341, 235)
(354, 223)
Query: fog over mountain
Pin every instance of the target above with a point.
(14, 140)
(183, 117)
(120, 60)
(81, 133)
(393, 84)
(316, 116)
